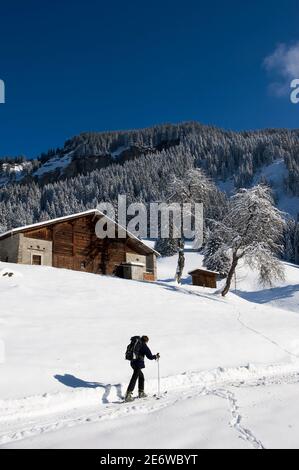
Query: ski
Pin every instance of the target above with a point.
(161, 395)
(155, 395)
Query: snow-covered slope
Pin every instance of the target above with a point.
(65, 334)
(116, 153)
(275, 175)
(54, 164)
(13, 172)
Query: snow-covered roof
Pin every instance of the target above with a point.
(132, 263)
(203, 270)
(75, 216)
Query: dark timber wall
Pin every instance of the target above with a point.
(204, 278)
(76, 246)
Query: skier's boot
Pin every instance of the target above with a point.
(141, 394)
(129, 397)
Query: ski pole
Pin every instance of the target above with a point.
(158, 361)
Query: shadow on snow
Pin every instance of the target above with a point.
(268, 295)
(74, 382)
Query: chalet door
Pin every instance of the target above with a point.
(36, 260)
(119, 271)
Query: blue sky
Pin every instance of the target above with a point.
(76, 66)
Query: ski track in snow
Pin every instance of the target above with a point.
(32, 416)
(259, 333)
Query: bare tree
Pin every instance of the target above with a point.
(252, 230)
(194, 187)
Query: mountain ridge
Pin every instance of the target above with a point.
(96, 166)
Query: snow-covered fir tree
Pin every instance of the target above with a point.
(289, 240)
(167, 246)
(296, 244)
(215, 254)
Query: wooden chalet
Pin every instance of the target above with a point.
(71, 242)
(203, 277)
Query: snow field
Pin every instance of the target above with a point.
(65, 334)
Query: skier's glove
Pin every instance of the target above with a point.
(157, 356)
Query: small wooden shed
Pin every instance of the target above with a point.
(203, 277)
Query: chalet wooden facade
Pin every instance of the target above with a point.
(203, 277)
(71, 243)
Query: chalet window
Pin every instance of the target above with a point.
(149, 265)
(37, 260)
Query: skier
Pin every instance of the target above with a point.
(137, 363)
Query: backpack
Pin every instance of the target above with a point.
(133, 348)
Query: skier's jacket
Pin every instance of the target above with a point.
(143, 351)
